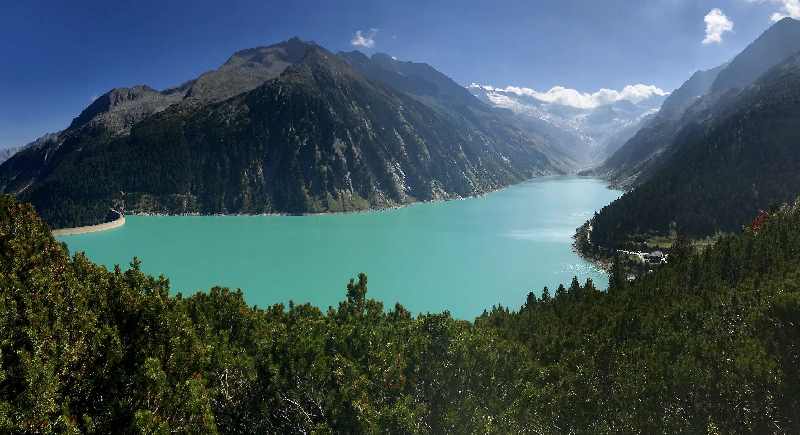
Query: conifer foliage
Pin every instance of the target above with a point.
(708, 342)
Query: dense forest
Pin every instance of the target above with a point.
(708, 343)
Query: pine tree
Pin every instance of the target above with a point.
(616, 276)
(530, 301)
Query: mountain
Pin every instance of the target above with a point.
(290, 128)
(641, 156)
(246, 70)
(117, 111)
(587, 135)
(433, 88)
(777, 43)
(741, 156)
(656, 133)
(414, 78)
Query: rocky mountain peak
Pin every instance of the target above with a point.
(415, 78)
(248, 69)
(290, 51)
(120, 108)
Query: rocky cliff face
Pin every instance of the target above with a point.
(315, 135)
(119, 109)
(246, 70)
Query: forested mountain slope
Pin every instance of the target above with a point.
(653, 144)
(650, 141)
(708, 343)
(723, 170)
(114, 113)
(315, 135)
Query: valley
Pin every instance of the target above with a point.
(515, 240)
(294, 129)
(589, 225)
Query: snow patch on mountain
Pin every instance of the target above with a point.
(601, 121)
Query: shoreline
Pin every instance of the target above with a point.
(105, 226)
(583, 246)
(384, 209)
(120, 221)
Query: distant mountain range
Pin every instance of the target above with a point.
(289, 128)
(722, 148)
(587, 134)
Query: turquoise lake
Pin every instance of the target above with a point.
(462, 256)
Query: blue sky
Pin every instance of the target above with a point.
(58, 55)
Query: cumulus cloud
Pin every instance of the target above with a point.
(583, 100)
(717, 23)
(788, 8)
(364, 39)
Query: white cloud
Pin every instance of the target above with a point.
(364, 39)
(582, 100)
(789, 8)
(717, 23)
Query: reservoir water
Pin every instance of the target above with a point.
(461, 256)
